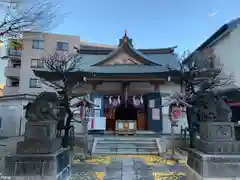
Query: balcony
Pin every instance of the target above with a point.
(12, 71)
(10, 90)
(11, 53)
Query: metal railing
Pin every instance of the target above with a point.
(14, 52)
(14, 66)
(12, 85)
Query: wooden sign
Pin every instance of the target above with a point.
(175, 112)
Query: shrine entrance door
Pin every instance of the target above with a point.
(127, 111)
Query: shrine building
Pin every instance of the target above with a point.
(136, 80)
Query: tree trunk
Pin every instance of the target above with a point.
(192, 133)
(67, 127)
(66, 105)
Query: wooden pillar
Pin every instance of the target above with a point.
(125, 88)
(95, 84)
(155, 85)
(85, 130)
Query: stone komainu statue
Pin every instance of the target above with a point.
(43, 108)
(211, 107)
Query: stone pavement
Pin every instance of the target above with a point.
(128, 167)
(121, 167)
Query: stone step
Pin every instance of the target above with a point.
(127, 146)
(125, 153)
(128, 139)
(119, 145)
(125, 150)
(115, 145)
(126, 142)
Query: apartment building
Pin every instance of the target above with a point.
(28, 56)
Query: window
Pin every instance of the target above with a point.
(62, 46)
(38, 44)
(15, 84)
(34, 83)
(37, 63)
(17, 65)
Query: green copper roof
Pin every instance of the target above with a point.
(161, 59)
(154, 61)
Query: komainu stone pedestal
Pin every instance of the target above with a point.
(217, 138)
(55, 166)
(203, 166)
(40, 155)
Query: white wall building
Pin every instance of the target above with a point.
(12, 115)
(225, 43)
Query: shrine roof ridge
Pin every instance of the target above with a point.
(85, 49)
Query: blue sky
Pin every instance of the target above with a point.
(151, 24)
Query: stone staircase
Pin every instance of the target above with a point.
(126, 146)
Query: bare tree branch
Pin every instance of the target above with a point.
(62, 64)
(28, 15)
(60, 74)
(201, 74)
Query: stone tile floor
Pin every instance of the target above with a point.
(128, 167)
(136, 167)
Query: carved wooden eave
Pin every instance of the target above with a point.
(79, 76)
(160, 78)
(116, 88)
(95, 84)
(124, 79)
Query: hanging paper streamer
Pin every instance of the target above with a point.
(110, 99)
(134, 100)
(119, 100)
